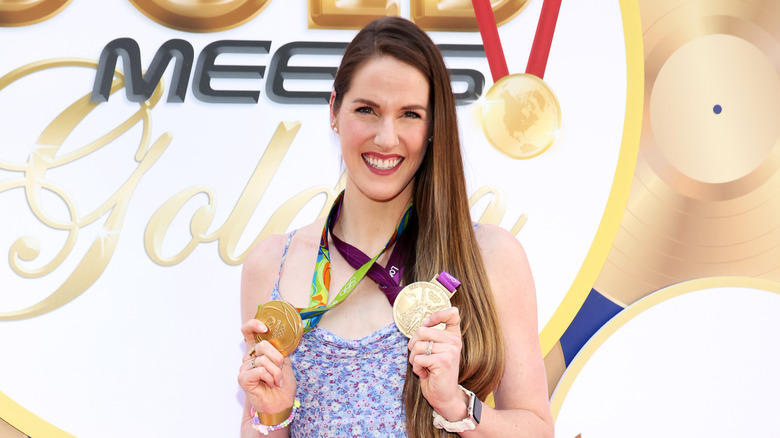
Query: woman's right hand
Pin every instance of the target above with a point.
(265, 375)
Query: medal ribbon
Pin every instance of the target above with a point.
(318, 302)
(537, 60)
(388, 278)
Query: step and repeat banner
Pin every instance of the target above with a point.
(147, 145)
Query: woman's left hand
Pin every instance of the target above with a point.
(435, 358)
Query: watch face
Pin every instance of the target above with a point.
(477, 414)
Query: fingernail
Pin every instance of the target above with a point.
(281, 382)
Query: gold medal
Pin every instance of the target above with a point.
(417, 301)
(285, 327)
(521, 116)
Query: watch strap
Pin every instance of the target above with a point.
(474, 410)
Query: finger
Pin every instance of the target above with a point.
(259, 369)
(274, 370)
(449, 316)
(419, 369)
(448, 353)
(263, 375)
(249, 377)
(265, 348)
(252, 326)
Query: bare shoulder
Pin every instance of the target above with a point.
(524, 384)
(263, 263)
(260, 267)
(505, 261)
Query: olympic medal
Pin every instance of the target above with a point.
(285, 327)
(416, 302)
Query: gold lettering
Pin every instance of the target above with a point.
(161, 220)
(230, 232)
(33, 181)
(349, 14)
(494, 211)
(200, 15)
(26, 12)
(458, 15)
(443, 15)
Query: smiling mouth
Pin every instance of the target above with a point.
(382, 164)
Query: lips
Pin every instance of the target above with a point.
(382, 164)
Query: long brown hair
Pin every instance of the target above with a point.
(440, 233)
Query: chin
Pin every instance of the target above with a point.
(386, 192)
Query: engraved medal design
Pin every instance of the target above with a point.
(285, 327)
(419, 300)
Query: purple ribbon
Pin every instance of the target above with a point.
(389, 278)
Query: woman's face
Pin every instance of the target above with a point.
(383, 127)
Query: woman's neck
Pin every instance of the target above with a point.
(367, 224)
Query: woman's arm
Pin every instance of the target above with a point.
(269, 385)
(522, 407)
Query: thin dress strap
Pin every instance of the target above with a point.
(284, 254)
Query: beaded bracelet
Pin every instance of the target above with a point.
(264, 429)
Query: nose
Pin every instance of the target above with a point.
(386, 135)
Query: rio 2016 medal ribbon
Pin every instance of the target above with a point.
(285, 327)
(419, 300)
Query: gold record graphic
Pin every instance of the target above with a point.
(704, 200)
(521, 116)
(26, 12)
(416, 302)
(201, 15)
(285, 327)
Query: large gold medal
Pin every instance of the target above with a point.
(285, 327)
(419, 300)
(521, 116)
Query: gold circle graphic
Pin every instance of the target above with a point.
(521, 116)
(702, 127)
(26, 12)
(704, 201)
(201, 15)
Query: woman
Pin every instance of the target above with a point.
(355, 374)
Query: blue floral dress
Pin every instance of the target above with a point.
(349, 387)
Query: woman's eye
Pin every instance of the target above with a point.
(364, 110)
(411, 114)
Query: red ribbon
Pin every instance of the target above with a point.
(490, 39)
(537, 60)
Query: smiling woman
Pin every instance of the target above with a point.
(355, 373)
(383, 124)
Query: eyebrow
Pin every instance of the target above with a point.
(405, 108)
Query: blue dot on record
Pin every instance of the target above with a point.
(717, 109)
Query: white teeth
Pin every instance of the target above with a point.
(381, 164)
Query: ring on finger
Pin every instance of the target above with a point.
(428, 350)
(253, 362)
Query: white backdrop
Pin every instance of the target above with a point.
(695, 359)
(153, 350)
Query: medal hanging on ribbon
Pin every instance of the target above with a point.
(521, 116)
(318, 301)
(419, 300)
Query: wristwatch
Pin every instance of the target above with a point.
(474, 410)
